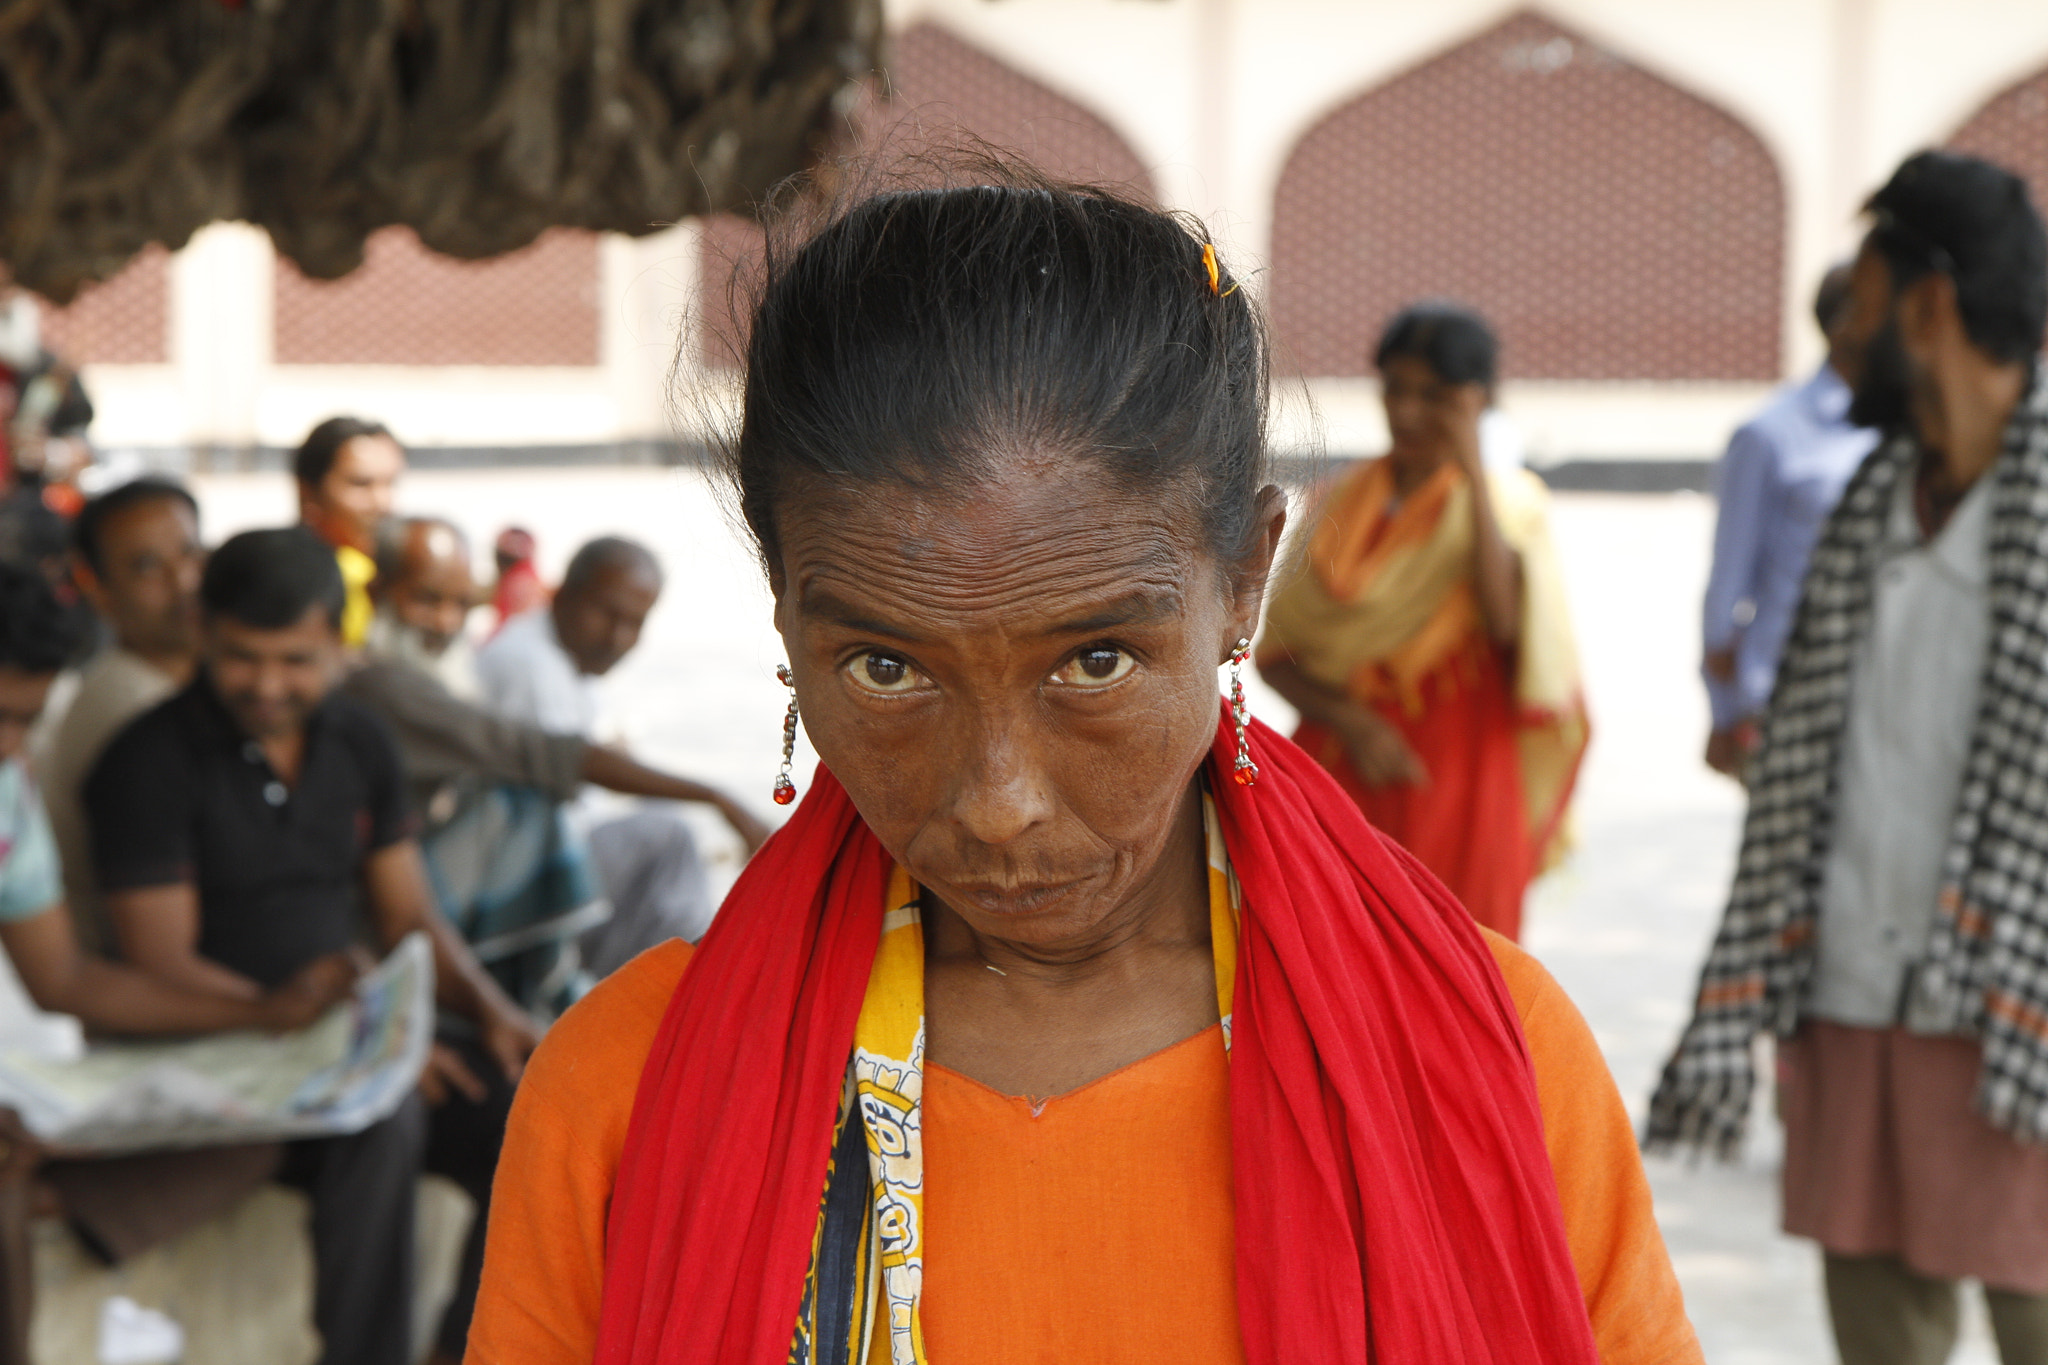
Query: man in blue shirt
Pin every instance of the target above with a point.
(1782, 475)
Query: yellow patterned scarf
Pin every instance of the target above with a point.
(872, 1254)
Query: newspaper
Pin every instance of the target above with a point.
(349, 1069)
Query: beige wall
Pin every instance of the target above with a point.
(1213, 94)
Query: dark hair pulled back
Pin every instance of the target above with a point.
(920, 335)
(1453, 340)
(315, 457)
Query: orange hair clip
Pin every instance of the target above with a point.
(1210, 264)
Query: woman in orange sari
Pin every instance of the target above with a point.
(1424, 636)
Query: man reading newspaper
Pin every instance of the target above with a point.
(256, 821)
(133, 1201)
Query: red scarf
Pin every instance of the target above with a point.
(1394, 1198)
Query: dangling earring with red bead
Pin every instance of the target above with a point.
(785, 790)
(1247, 772)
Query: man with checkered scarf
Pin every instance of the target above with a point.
(1889, 918)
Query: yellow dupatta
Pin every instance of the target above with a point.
(888, 1085)
(1380, 600)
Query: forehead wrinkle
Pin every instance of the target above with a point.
(1050, 579)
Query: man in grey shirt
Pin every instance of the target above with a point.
(490, 787)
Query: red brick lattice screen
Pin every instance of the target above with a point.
(2012, 130)
(406, 305)
(122, 321)
(1612, 226)
(941, 91)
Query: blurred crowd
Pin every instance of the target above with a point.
(229, 774)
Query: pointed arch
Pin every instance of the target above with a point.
(2011, 128)
(1612, 225)
(935, 91)
(122, 320)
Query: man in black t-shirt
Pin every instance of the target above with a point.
(256, 821)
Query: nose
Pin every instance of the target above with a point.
(271, 683)
(1404, 413)
(1002, 791)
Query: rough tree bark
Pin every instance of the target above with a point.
(479, 123)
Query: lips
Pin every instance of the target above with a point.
(1014, 900)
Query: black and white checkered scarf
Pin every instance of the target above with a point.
(1986, 969)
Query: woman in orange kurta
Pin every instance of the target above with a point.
(1424, 636)
(1072, 1016)
(1149, 1277)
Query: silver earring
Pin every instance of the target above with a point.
(785, 790)
(1246, 772)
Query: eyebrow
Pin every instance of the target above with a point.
(1142, 607)
(825, 603)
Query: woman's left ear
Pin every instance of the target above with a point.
(1252, 573)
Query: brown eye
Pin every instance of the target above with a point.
(884, 673)
(1095, 666)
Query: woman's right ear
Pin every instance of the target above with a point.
(1255, 570)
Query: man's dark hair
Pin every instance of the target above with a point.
(315, 455)
(270, 579)
(1831, 295)
(38, 633)
(922, 333)
(1453, 340)
(607, 552)
(89, 529)
(1974, 222)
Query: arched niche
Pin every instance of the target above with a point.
(123, 320)
(936, 92)
(408, 305)
(1612, 225)
(2012, 129)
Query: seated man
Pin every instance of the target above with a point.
(136, 555)
(236, 829)
(491, 787)
(541, 670)
(123, 1205)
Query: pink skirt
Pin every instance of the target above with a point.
(1884, 1155)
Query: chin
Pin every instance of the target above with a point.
(1030, 913)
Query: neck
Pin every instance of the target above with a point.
(1961, 417)
(1411, 474)
(176, 664)
(284, 753)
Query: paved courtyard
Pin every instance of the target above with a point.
(1623, 924)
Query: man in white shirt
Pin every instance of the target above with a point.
(542, 669)
(1890, 906)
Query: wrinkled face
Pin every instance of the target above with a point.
(21, 703)
(358, 492)
(600, 621)
(434, 596)
(270, 681)
(1017, 686)
(1424, 412)
(147, 586)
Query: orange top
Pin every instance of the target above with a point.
(1126, 1256)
